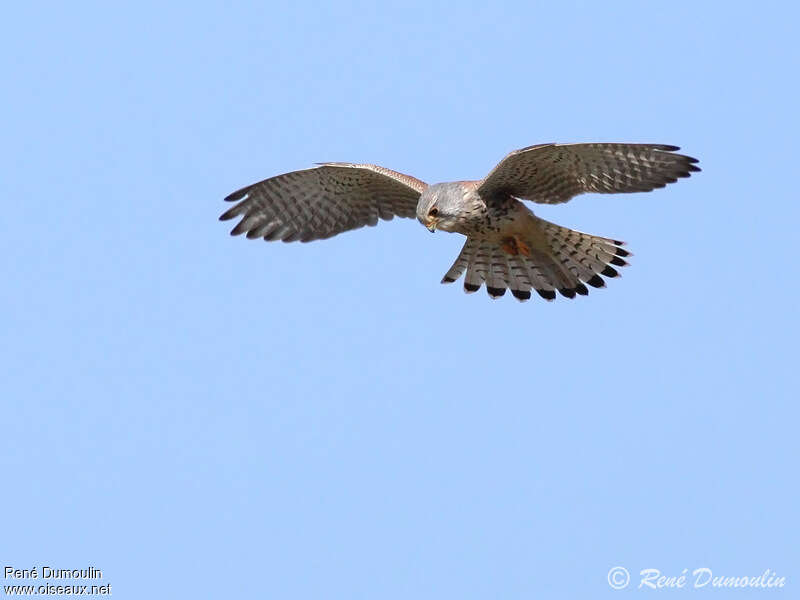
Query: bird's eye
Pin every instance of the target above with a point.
(433, 212)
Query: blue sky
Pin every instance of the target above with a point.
(203, 415)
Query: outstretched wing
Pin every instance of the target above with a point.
(553, 173)
(321, 202)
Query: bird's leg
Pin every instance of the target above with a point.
(513, 245)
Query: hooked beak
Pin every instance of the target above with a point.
(429, 223)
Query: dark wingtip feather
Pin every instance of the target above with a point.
(495, 292)
(237, 195)
(596, 281)
(521, 295)
(229, 214)
(547, 294)
(581, 289)
(609, 272)
(447, 279)
(690, 164)
(470, 288)
(618, 262)
(239, 229)
(567, 292)
(622, 252)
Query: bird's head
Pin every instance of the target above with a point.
(440, 206)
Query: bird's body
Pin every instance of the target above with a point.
(474, 216)
(507, 245)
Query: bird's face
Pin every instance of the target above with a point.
(438, 207)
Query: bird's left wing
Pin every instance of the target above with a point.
(553, 173)
(321, 202)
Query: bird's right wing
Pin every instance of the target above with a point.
(318, 203)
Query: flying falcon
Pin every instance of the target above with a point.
(507, 245)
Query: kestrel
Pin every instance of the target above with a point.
(507, 245)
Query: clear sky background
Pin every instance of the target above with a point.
(206, 416)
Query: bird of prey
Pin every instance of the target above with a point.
(507, 246)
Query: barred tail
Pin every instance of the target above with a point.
(571, 260)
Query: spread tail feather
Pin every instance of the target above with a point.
(570, 261)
